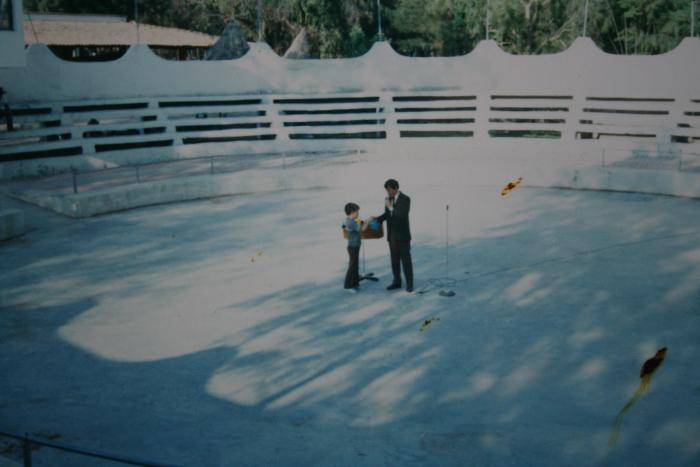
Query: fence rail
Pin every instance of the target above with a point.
(80, 181)
(59, 129)
(27, 442)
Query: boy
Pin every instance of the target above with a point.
(353, 226)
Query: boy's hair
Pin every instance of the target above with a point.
(350, 208)
(391, 183)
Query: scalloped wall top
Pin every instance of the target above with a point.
(582, 68)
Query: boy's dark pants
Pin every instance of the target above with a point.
(352, 278)
(401, 256)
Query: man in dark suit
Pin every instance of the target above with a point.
(396, 208)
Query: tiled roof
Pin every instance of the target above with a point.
(87, 33)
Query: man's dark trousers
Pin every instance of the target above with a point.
(352, 278)
(401, 255)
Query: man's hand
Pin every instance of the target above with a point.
(388, 204)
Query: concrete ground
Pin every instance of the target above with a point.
(217, 332)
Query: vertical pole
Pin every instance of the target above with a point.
(211, 165)
(692, 18)
(585, 19)
(447, 241)
(27, 452)
(488, 18)
(75, 181)
(380, 35)
(260, 31)
(138, 173)
(603, 157)
(136, 19)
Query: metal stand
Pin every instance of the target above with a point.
(366, 275)
(446, 292)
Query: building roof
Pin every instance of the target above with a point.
(77, 30)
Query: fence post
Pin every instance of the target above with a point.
(75, 180)
(26, 452)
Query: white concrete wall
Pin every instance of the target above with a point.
(583, 69)
(600, 109)
(12, 53)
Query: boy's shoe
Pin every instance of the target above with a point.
(409, 289)
(352, 289)
(394, 286)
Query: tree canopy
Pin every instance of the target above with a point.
(347, 28)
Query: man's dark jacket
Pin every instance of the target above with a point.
(398, 228)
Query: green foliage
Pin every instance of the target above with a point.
(642, 26)
(347, 28)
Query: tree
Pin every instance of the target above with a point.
(640, 26)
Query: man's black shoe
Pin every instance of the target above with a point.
(409, 288)
(394, 287)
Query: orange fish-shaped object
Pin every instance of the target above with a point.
(258, 254)
(511, 186)
(653, 363)
(645, 374)
(427, 323)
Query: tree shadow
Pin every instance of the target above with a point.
(556, 309)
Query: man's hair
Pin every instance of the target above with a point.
(350, 208)
(391, 183)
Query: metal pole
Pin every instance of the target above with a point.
(211, 165)
(138, 173)
(447, 240)
(692, 18)
(27, 452)
(445, 292)
(75, 181)
(260, 32)
(136, 19)
(380, 35)
(488, 18)
(585, 18)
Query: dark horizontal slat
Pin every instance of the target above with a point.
(127, 132)
(414, 121)
(527, 120)
(209, 103)
(436, 134)
(434, 109)
(331, 111)
(337, 123)
(100, 107)
(326, 100)
(432, 98)
(35, 111)
(525, 134)
(223, 126)
(529, 109)
(134, 145)
(19, 156)
(630, 99)
(227, 139)
(362, 135)
(531, 97)
(623, 111)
